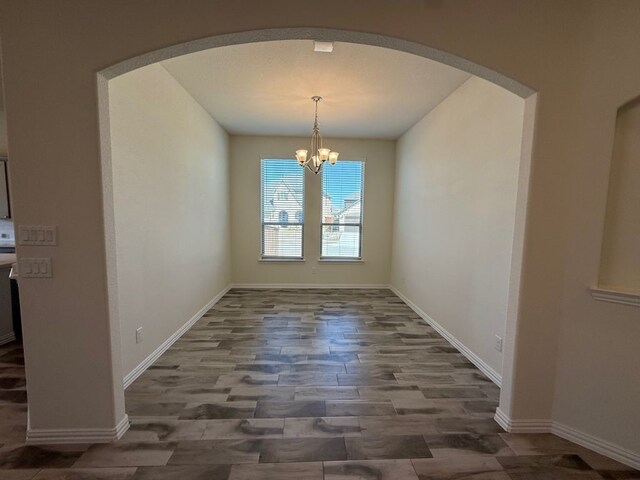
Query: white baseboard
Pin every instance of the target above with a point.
(472, 357)
(578, 437)
(502, 420)
(615, 296)
(78, 435)
(7, 338)
(598, 445)
(146, 363)
(270, 286)
(521, 426)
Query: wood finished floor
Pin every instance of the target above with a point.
(302, 384)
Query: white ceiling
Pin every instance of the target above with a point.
(265, 88)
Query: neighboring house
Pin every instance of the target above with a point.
(351, 211)
(285, 204)
(327, 208)
(342, 239)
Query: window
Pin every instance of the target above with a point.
(342, 197)
(282, 203)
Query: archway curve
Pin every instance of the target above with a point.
(324, 34)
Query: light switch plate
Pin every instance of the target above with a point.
(44, 235)
(34, 268)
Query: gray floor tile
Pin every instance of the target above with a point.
(553, 467)
(326, 393)
(467, 444)
(211, 452)
(398, 425)
(85, 474)
(270, 383)
(387, 447)
(21, 474)
(370, 469)
(42, 456)
(126, 455)
(300, 408)
(243, 428)
(322, 427)
(302, 450)
(278, 471)
(476, 468)
(205, 411)
(200, 472)
(160, 429)
(360, 408)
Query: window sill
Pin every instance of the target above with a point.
(340, 260)
(612, 295)
(281, 260)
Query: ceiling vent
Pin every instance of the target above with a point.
(324, 47)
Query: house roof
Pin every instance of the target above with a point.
(355, 196)
(349, 207)
(291, 183)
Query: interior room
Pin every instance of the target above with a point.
(223, 185)
(326, 252)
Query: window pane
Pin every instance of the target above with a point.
(342, 198)
(282, 241)
(282, 204)
(340, 241)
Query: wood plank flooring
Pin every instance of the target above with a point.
(302, 384)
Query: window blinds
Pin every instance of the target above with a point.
(282, 204)
(342, 200)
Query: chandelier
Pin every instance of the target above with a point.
(317, 155)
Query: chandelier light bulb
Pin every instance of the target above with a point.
(301, 156)
(333, 157)
(323, 153)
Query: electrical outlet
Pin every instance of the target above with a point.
(138, 334)
(498, 343)
(313, 270)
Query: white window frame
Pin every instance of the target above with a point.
(277, 258)
(360, 225)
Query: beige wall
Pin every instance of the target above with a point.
(576, 360)
(3, 134)
(246, 152)
(456, 179)
(620, 267)
(170, 179)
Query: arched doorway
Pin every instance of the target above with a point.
(352, 37)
